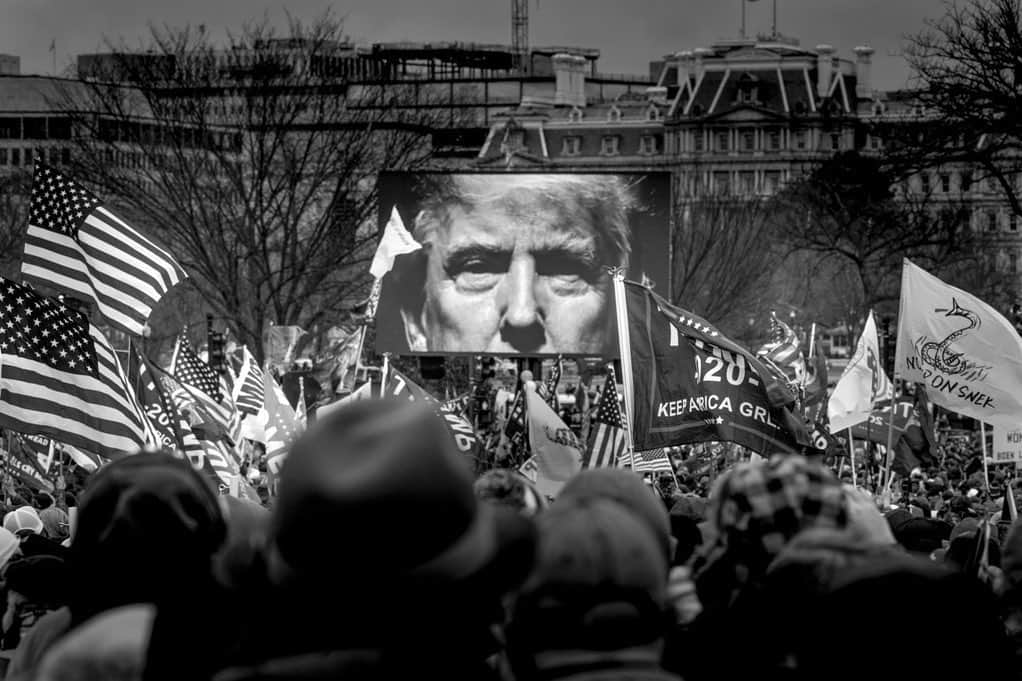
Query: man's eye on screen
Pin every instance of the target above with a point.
(568, 274)
(477, 273)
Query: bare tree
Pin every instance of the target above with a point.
(254, 162)
(850, 212)
(724, 255)
(15, 190)
(967, 69)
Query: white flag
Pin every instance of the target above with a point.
(396, 241)
(363, 393)
(862, 384)
(967, 354)
(556, 452)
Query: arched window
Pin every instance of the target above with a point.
(575, 115)
(614, 115)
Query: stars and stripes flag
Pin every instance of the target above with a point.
(550, 388)
(608, 442)
(784, 351)
(204, 385)
(282, 426)
(248, 386)
(76, 246)
(59, 377)
(649, 461)
(514, 438)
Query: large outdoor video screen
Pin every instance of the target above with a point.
(518, 263)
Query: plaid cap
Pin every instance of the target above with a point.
(758, 507)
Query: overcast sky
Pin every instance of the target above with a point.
(629, 33)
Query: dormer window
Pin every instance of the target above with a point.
(572, 146)
(575, 116)
(748, 89)
(653, 114)
(878, 109)
(614, 115)
(648, 145)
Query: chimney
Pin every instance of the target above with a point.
(657, 94)
(563, 65)
(864, 72)
(684, 60)
(824, 69)
(10, 65)
(580, 81)
(699, 55)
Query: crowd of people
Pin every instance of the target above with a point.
(383, 556)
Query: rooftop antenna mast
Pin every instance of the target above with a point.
(520, 33)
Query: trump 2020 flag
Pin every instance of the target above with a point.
(966, 354)
(556, 451)
(396, 241)
(687, 382)
(862, 384)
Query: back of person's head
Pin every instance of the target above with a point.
(597, 593)
(43, 500)
(109, 647)
(627, 489)
(896, 587)
(42, 580)
(55, 523)
(376, 515)
(147, 529)
(507, 488)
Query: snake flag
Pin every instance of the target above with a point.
(965, 353)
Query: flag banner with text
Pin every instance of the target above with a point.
(875, 427)
(966, 354)
(698, 387)
(462, 432)
(23, 461)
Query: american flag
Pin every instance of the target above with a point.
(650, 461)
(550, 389)
(205, 386)
(59, 377)
(515, 437)
(608, 442)
(248, 386)
(76, 246)
(282, 426)
(784, 351)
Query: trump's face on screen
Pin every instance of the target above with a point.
(518, 264)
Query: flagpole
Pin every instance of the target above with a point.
(983, 444)
(384, 370)
(889, 454)
(851, 455)
(624, 344)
